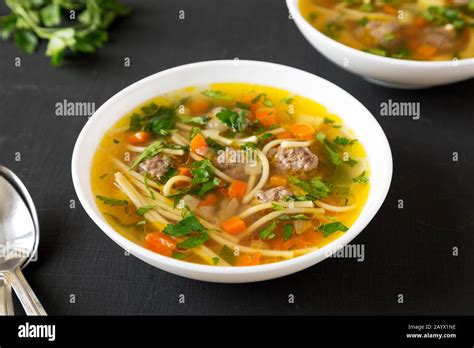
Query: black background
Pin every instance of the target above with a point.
(408, 251)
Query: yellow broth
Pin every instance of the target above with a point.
(427, 30)
(289, 110)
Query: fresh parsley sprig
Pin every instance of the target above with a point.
(84, 30)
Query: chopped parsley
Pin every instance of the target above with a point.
(332, 227)
(361, 179)
(288, 232)
(217, 95)
(314, 189)
(143, 210)
(267, 232)
(237, 121)
(112, 201)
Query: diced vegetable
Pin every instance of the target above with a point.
(266, 116)
(426, 51)
(139, 138)
(284, 135)
(302, 131)
(184, 171)
(391, 10)
(160, 243)
(247, 260)
(234, 225)
(199, 145)
(278, 180)
(197, 106)
(237, 189)
(209, 200)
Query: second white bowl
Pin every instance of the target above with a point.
(385, 71)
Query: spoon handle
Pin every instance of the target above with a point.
(6, 300)
(25, 294)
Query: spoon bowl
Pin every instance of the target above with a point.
(18, 239)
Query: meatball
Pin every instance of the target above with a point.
(444, 40)
(293, 159)
(231, 163)
(383, 34)
(273, 194)
(156, 166)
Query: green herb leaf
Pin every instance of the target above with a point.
(194, 241)
(185, 227)
(288, 232)
(51, 15)
(332, 227)
(179, 256)
(112, 201)
(237, 121)
(227, 254)
(267, 232)
(314, 188)
(217, 95)
(143, 210)
(151, 151)
(361, 179)
(287, 100)
(26, 40)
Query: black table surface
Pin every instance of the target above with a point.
(408, 251)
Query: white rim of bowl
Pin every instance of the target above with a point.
(295, 12)
(293, 263)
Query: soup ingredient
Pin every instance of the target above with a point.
(139, 138)
(156, 166)
(266, 116)
(160, 243)
(294, 159)
(234, 225)
(112, 201)
(230, 194)
(302, 131)
(274, 194)
(237, 189)
(31, 21)
(199, 145)
(332, 227)
(403, 29)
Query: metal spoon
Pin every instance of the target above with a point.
(6, 300)
(19, 238)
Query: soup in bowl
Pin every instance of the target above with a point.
(238, 175)
(400, 44)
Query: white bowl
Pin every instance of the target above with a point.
(385, 71)
(355, 115)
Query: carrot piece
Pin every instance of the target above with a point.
(139, 137)
(277, 180)
(234, 225)
(302, 131)
(184, 171)
(247, 260)
(426, 51)
(293, 243)
(160, 243)
(284, 135)
(209, 200)
(198, 107)
(237, 189)
(199, 145)
(266, 116)
(391, 10)
(420, 22)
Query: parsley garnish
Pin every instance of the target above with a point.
(217, 95)
(112, 201)
(361, 179)
(267, 232)
(314, 188)
(332, 227)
